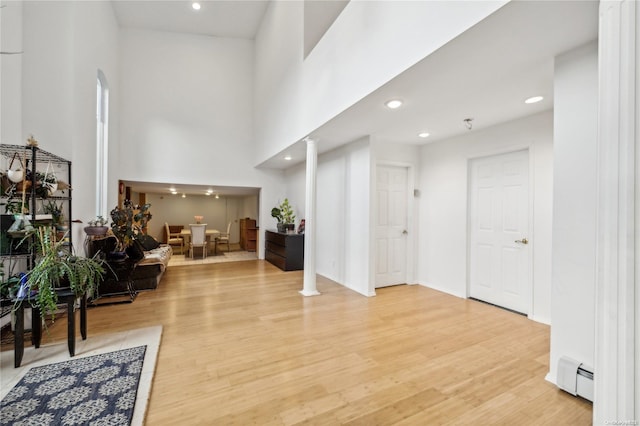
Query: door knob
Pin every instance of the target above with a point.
(523, 241)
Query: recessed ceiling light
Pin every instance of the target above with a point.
(394, 103)
(287, 157)
(533, 99)
(423, 135)
(195, 5)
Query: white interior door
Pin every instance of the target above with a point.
(391, 225)
(499, 221)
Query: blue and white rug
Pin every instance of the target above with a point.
(96, 390)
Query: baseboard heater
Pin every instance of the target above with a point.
(575, 377)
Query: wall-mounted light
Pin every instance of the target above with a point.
(174, 192)
(287, 157)
(217, 196)
(195, 5)
(184, 196)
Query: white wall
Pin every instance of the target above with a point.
(342, 212)
(11, 74)
(294, 96)
(187, 113)
(64, 45)
(443, 185)
(574, 209)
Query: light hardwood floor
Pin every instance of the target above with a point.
(241, 346)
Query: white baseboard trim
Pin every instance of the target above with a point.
(442, 289)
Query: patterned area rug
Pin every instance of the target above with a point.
(96, 390)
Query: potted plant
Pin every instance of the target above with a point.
(97, 227)
(285, 216)
(8, 286)
(129, 221)
(57, 268)
(46, 184)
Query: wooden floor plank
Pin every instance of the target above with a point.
(242, 346)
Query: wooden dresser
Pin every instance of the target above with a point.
(248, 234)
(286, 251)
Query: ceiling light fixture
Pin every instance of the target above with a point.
(468, 123)
(207, 194)
(217, 196)
(533, 99)
(195, 5)
(184, 196)
(423, 135)
(287, 157)
(394, 103)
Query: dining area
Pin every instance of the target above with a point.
(198, 239)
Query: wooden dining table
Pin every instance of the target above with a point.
(210, 234)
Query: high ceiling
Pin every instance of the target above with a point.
(239, 18)
(485, 74)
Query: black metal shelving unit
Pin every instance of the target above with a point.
(36, 159)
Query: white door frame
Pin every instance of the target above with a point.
(412, 227)
(530, 229)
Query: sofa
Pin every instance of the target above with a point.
(145, 264)
(148, 272)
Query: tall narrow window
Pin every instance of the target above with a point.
(102, 144)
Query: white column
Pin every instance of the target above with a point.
(616, 376)
(309, 283)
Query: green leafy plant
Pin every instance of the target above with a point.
(128, 221)
(45, 183)
(277, 214)
(287, 212)
(55, 210)
(284, 215)
(57, 268)
(8, 286)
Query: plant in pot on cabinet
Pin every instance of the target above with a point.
(285, 216)
(97, 227)
(56, 268)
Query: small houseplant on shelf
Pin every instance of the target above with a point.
(285, 216)
(128, 221)
(57, 268)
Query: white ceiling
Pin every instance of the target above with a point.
(485, 74)
(220, 18)
(166, 188)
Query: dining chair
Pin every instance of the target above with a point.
(174, 238)
(224, 238)
(198, 238)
